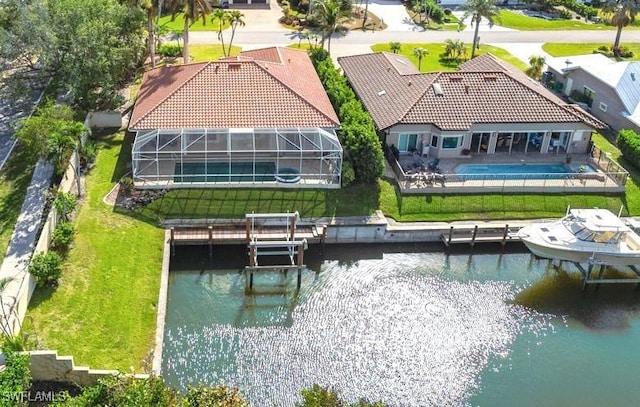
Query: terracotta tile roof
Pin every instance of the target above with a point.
(283, 90)
(484, 91)
(387, 92)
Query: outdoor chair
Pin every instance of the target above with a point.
(433, 165)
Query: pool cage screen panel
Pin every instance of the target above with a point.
(237, 157)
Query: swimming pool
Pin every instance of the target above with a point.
(520, 170)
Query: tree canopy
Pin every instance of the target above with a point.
(87, 48)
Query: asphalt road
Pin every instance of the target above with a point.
(283, 37)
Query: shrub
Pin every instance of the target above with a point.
(14, 379)
(88, 153)
(222, 396)
(65, 203)
(625, 52)
(46, 268)
(127, 185)
(629, 144)
(63, 235)
(362, 148)
(170, 50)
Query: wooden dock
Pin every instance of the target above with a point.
(480, 234)
(237, 234)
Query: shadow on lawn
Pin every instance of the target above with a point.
(230, 203)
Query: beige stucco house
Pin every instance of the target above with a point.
(486, 107)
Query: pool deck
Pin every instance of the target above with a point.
(446, 181)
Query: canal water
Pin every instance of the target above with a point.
(407, 325)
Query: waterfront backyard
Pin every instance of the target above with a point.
(103, 313)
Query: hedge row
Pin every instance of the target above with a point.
(363, 155)
(629, 145)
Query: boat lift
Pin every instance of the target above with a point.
(263, 240)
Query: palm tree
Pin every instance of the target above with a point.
(395, 46)
(420, 53)
(235, 18)
(624, 13)
(193, 10)
(329, 15)
(150, 7)
(478, 9)
(221, 16)
(536, 63)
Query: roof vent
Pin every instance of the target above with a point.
(492, 78)
(466, 89)
(455, 78)
(437, 89)
(409, 84)
(382, 92)
(633, 76)
(235, 65)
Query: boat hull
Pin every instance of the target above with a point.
(576, 256)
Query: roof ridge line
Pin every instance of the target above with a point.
(298, 94)
(190, 78)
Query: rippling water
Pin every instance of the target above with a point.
(410, 329)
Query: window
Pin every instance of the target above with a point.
(451, 142)
(434, 141)
(407, 142)
(603, 107)
(589, 95)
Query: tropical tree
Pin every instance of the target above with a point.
(420, 53)
(395, 46)
(330, 15)
(536, 64)
(220, 16)
(624, 13)
(477, 10)
(236, 19)
(51, 133)
(192, 10)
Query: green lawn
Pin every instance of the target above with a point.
(431, 63)
(562, 49)
(177, 25)
(201, 53)
(518, 21)
(15, 177)
(104, 310)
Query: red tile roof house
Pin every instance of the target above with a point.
(261, 119)
(487, 107)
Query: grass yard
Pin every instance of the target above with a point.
(235, 203)
(104, 310)
(563, 49)
(431, 62)
(166, 24)
(519, 21)
(452, 25)
(15, 178)
(202, 53)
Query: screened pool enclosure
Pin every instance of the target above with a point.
(292, 157)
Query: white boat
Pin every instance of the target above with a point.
(594, 236)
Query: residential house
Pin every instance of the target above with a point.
(486, 107)
(609, 89)
(259, 119)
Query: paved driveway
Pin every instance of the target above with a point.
(394, 15)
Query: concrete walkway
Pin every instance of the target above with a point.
(24, 238)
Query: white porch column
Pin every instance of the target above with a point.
(546, 140)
